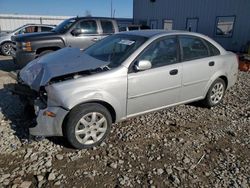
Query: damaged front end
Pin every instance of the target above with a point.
(40, 74)
(46, 120)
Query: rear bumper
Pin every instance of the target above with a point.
(22, 58)
(49, 126)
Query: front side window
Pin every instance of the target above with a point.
(107, 27)
(87, 26)
(162, 52)
(224, 26)
(30, 29)
(116, 48)
(193, 48)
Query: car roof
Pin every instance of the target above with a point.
(157, 32)
(152, 34)
(50, 25)
(82, 18)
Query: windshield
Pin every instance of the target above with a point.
(14, 31)
(116, 48)
(64, 26)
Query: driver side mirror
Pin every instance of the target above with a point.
(76, 32)
(142, 65)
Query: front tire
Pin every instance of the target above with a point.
(88, 125)
(6, 48)
(215, 93)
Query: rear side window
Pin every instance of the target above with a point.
(107, 27)
(193, 48)
(44, 29)
(87, 26)
(213, 50)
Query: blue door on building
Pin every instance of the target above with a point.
(153, 24)
(192, 24)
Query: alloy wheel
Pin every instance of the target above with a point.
(217, 93)
(7, 48)
(91, 128)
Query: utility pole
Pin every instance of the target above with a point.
(111, 3)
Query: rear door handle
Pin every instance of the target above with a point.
(173, 72)
(211, 63)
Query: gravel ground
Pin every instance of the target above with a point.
(184, 146)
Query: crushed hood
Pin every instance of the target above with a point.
(62, 62)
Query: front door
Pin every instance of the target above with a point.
(88, 36)
(192, 24)
(160, 85)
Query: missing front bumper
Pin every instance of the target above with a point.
(49, 126)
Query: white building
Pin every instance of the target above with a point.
(9, 22)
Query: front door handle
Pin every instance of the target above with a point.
(211, 63)
(173, 72)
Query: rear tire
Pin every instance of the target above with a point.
(215, 93)
(87, 125)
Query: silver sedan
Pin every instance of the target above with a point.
(122, 76)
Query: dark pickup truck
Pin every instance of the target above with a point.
(78, 32)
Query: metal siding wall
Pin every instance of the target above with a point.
(205, 10)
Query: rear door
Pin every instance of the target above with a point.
(159, 86)
(90, 34)
(198, 67)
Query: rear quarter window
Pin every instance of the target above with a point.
(44, 29)
(212, 49)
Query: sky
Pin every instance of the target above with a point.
(123, 8)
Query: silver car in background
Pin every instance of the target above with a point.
(125, 75)
(5, 37)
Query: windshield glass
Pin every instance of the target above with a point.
(64, 26)
(14, 31)
(116, 48)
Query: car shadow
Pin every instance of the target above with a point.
(13, 112)
(19, 117)
(7, 64)
(197, 104)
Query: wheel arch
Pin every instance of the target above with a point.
(5, 42)
(225, 79)
(109, 107)
(53, 48)
(221, 75)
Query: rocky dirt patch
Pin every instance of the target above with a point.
(184, 146)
